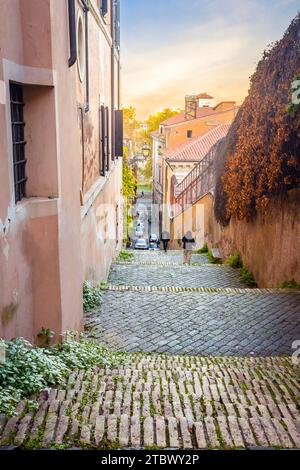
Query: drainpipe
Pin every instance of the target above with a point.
(72, 32)
(112, 68)
(86, 9)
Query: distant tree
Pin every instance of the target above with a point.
(129, 191)
(147, 172)
(154, 120)
(131, 124)
(129, 180)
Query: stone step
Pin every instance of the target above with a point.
(122, 431)
(184, 402)
(176, 289)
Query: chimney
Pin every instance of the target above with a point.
(205, 100)
(191, 105)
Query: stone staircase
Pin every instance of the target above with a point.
(158, 401)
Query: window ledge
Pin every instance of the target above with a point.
(92, 194)
(37, 207)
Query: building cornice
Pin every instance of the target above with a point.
(101, 23)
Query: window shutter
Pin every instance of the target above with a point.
(119, 133)
(102, 142)
(107, 142)
(104, 7)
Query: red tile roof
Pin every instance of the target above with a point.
(198, 147)
(178, 118)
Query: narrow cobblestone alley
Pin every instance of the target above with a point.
(229, 388)
(156, 304)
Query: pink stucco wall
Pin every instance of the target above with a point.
(49, 242)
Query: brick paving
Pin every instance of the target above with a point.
(167, 401)
(156, 304)
(229, 389)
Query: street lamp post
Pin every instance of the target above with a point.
(146, 149)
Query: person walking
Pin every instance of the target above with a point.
(165, 237)
(188, 245)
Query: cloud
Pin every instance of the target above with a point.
(216, 54)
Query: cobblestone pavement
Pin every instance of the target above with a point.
(216, 395)
(172, 275)
(168, 318)
(166, 402)
(198, 323)
(172, 256)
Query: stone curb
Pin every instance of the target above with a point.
(217, 290)
(162, 263)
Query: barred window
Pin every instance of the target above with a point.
(18, 140)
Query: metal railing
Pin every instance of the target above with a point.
(198, 182)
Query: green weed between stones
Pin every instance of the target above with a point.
(203, 250)
(235, 260)
(289, 285)
(27, 370)
(92, 296)
(247, 277)
(125, 255)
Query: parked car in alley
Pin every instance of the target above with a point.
(153, 238)
(141, 244)
(153, 246)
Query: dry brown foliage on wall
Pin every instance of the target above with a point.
(261, 155)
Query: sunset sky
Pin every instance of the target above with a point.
(173, 47)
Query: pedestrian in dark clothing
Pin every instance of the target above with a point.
(165, 237)
(188, 245)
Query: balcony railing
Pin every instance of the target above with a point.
(198, 182)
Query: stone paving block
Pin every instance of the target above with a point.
(160, 428)
(211, 432)
(283, 435)
(74, 428)
(224, 432)
(99, 429)
(61, 430)
(135, 431)
(200, 436)
(293, 430)
(185, 430)
(112, 428)
(270, 432)
(85, 436)
(259, 432)
(22, 429)
(247, 432)
(49, 429)
(173, 433)
(148, 432)
(235, 432)
(124, 431)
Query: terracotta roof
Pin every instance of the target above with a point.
(198, 147)
(178, 118)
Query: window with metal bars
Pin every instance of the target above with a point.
(18, 140)
(104, 154)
